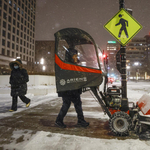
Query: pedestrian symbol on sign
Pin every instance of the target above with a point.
(124, 24)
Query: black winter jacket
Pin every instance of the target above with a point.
(18, 80)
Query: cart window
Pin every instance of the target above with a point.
(86, 53)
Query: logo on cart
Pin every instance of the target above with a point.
(62, 82)
(72, 80)
(75, 80)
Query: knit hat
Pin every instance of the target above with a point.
(19, 61)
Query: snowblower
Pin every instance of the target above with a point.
(90, 74)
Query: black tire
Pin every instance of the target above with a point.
(120, 123)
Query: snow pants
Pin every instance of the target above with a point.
(66, 105)
(15, 100)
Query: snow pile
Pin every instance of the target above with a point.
(54, 141)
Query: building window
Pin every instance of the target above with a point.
(21, 20)
(22, 27)
(4, 33)
(3, 51)
(9, 27)
(8, 35)
(4, 15)
(18, 9)
(15, 6)
(18, 17)
(10, 11)
(20, 49)
(5, 7)
(18, 25)
(13, 38)
(13, 46)
(9, 19)
(14, 22)
(14, 14)
(10, 2)
(19, 2)
(14, 29)
(4, 24)
(3, 42)
(22, 6)
(25, 9)
(17, 40)
(21, 34)
(12, 54)
(8, 44)
(17, 32)
(17, 47)
(8, 53)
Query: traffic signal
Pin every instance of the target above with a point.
(104, 56)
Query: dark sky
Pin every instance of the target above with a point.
(88, 15)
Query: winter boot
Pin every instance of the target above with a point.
(11, 110)
(83, 123)
(27, 105)
(60, 124)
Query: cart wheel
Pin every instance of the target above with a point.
(120, 123)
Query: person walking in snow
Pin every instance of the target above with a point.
(18, 80)
(71, 96)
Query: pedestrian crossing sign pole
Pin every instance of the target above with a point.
(123, 26)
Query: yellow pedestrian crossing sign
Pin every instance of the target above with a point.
(123, 26)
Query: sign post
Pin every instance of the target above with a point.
(124, 102)
(123, 27)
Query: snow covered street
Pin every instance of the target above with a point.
(33, 128)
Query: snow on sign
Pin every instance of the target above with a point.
(123, 26)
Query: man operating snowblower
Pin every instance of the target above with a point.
(71, 95)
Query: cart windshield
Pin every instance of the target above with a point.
(84, 50)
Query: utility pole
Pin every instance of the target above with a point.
(124, 104)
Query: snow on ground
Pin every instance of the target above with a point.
(54, 141)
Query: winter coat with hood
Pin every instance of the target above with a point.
(18, 79)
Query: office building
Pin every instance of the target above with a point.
(112, 48)
(17, 33)
(136, 58)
